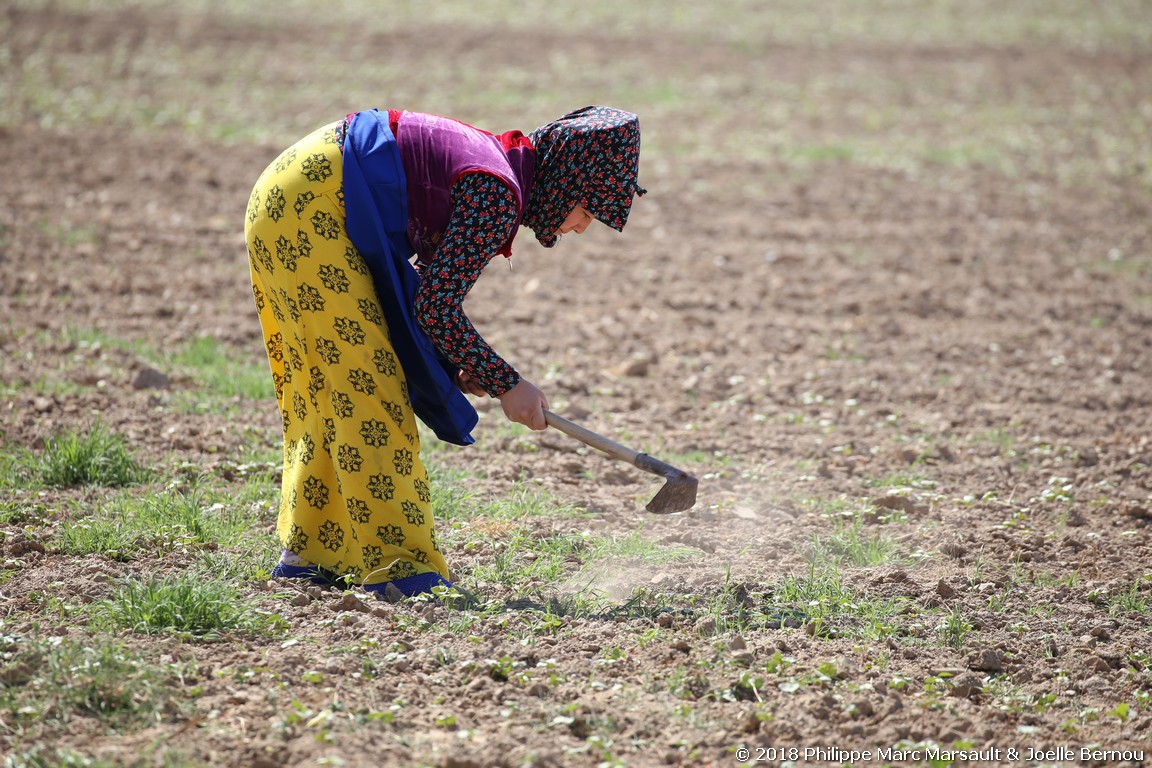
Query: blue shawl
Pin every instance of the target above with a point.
(375, 198)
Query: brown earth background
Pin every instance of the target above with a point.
(889, 298)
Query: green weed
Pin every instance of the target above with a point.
(250, 558)
(527, 554)
(452, 499)
(49, 681)
(220, 377)
(67, 234)
(179, 518)
(851, 545)
(913, 477)
(108, 537)
(954, 628)
(527, 502)
(43, 756)
(835, 610)
(185, 604)
(1137, 598)
(19, 508)
(93, 457)
(637, 547)
(522, 558)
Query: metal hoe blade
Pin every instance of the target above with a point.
(678, 493)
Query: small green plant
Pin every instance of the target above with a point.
(113, 539)
(825, 673)
(501, 669)
(916, 477)
(451, 497)
(777, 663)
(954, 628)
(832, 609)
(20, 509)
(67, 234)
(182, 517)
(527, 502)
(1143, 699)
(852, 546)
(1043, 702)
(635, 546)
(183, 604)
(898, 683)
(48, 683)
(1134, 599)
(93, 457)
(41, 756)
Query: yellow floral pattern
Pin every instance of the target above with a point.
(355, 495)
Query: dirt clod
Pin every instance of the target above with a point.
(945, 590)
(987, 660)
(150, 378)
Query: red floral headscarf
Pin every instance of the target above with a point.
(589, 157)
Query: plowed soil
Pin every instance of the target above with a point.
(955, 352)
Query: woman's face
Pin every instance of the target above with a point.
(577, 221)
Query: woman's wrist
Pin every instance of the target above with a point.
(504, 386)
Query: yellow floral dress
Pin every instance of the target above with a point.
(355, 494)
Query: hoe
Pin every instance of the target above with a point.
(678, 493)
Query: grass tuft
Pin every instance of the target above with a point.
(954, 629)
(43, 756)
(185, 604)
(851, 545)
(93, 457)
(181, 518)
(48, 680)
(451, 497)
(834, 609)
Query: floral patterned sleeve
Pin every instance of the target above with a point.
(483, 217)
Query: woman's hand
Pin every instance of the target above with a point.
(525, 404)
(468, 385)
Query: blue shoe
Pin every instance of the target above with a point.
(410, 586)
(312, 573)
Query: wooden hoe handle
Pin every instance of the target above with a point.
(677, 494)
(588, 437)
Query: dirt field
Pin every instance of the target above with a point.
(890, 298)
